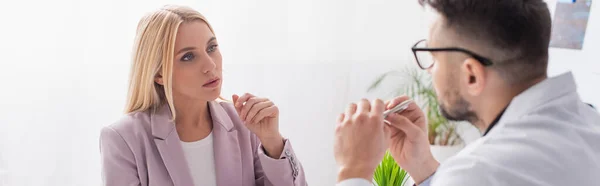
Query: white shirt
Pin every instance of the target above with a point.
(201, 161)
(546, 136)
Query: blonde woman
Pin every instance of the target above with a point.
(176, 132)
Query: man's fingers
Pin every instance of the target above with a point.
(340, 118)
(392, 103)
(364, 106)
(402, 123)
(413, 106)
(378, 107)
(377, 112)
(397, 100)
(415, 116)
(350, 110)
(387, 131)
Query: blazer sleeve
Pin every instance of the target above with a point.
(285, 171)
(118, 162)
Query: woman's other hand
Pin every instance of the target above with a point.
(261, 117)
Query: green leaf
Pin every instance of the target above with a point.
(388, 173)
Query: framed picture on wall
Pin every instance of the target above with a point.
(570, 23)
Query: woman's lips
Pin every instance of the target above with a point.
(213, 83)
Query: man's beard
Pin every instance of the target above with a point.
(458, 110)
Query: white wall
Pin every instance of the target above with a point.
(65, 65)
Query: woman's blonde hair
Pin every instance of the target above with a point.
(153, 55)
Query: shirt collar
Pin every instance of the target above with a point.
(494, 122)
(536, 95)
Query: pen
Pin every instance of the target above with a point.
(397, 109)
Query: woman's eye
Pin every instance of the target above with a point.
(212, 48)
(187, 57)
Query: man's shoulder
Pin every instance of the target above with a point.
(565, 114)
(558, 128)
(520, 144)
(524, 155)
(492, 163)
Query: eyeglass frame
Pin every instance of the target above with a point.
(483, 60)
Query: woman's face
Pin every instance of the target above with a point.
(197, 63)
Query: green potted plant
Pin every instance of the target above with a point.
(388, 173)
(417, 84)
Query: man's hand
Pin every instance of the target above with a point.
(360, 140)
(409, 144)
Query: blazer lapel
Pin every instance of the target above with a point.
(228, 159)
(169, 146)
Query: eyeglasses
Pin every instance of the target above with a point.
(425, 59)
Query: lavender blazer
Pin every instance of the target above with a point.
(144, 149)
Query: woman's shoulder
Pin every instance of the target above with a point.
(125, 140)
(129, 126)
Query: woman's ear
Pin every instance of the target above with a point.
(158, 79)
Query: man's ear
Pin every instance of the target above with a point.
(473, 76)
(158, 79)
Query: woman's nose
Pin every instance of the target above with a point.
(210, 65)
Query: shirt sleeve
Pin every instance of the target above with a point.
(354, 182)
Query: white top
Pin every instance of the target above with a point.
(546, 136)
(201, 161)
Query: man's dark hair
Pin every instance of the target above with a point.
(517, 32)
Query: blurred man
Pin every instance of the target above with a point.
(488, 60)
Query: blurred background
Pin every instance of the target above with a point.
(65, 66)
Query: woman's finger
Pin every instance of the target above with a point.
(241, 100)
(256, 108)
(248, 106)
(235, 97)
(270, 111)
